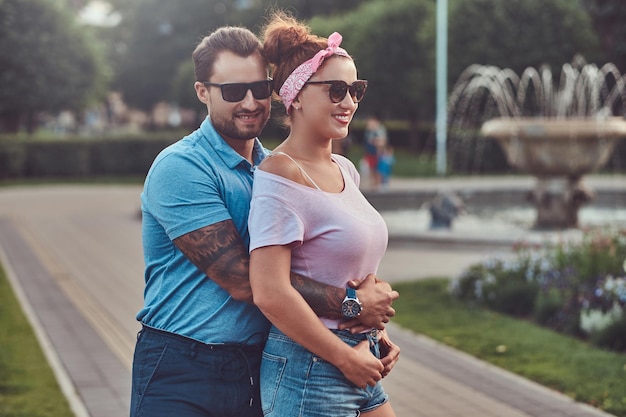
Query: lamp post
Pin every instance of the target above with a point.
(442, 93)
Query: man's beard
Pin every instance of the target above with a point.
(227, 127)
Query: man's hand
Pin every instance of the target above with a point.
(389, 352)
(376, 297)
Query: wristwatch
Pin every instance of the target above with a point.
(351, 306)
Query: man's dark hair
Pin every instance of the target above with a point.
(238, 40)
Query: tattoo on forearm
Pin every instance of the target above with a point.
(207, 245)
(218, 251)
(324, 299)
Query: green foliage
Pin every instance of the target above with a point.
(78, 158)
(608, 19)
(27, 385)
(613, 336)
(183, 91)
(393, 42)
(587, 374)
(160, 35)
(47, 61)
(411, 165)
(391, 47)
(597, 254)
(500, 286)
(306, 9)
(547, 308)
(517, 34)
(408, 163)
(576, 287)
(34, 157)
(156, 37)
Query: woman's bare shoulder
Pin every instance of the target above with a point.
(280, 164)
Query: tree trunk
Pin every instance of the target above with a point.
(31, 122)
(10, 121)
(414, 137)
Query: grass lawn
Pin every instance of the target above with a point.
(407, 164)
(28, 387)
(583, 372)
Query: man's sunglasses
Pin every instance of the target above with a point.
(338, 89)
(235, 92)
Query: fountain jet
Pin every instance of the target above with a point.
(557, 134)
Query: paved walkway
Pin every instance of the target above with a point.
(73, 254)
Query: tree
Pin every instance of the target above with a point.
(161, 35)
(608, 18)
(156, 38)
(517, 34)
(183, 92)
(306, 9)
(392, 42)
(47, 63)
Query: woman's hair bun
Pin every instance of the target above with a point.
(283, 36)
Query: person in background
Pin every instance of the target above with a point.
(374, 140)
(198, 353)
(308, 215)
(386, 160)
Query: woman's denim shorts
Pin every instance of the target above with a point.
(295, 382)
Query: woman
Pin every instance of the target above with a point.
(308, 215)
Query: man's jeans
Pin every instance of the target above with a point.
(177, 376)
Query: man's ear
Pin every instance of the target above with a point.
(202, 92)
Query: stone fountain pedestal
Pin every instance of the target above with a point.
(558, 152)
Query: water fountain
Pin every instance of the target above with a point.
(558, 135)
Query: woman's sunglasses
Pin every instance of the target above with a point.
(338, 89)
(235, 92)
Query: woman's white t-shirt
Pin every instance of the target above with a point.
(334, 237)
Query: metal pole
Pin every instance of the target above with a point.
(442, 87)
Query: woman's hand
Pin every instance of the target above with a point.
(389, 352)
(362, 368)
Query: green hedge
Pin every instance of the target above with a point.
(22, 158)
(78, 157)
(420, 140)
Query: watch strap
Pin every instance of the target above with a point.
(351, 293)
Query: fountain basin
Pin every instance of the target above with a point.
(498, 214)
(547, 147)
(558, 152)
(496, 228)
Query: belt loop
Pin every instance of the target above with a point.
(374, 335)
(192, 350)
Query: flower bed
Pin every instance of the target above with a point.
(577, 288)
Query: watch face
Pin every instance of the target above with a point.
(350, 308)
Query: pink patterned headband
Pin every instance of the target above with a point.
(296, 80)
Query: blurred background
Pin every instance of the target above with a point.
(85, 74)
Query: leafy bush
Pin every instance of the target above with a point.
(501, 285)
(576, 287)
(613, 336)
(79, 157)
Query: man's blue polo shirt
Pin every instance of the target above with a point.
(195, 182)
